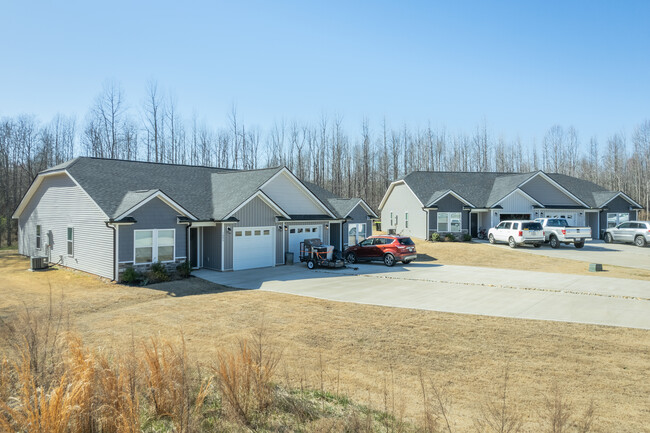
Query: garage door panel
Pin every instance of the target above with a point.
(253, 247)
(298, 234)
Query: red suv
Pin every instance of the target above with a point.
(389, 249)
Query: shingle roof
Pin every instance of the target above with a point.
(117, 185)
(341, 207)
(485, 189)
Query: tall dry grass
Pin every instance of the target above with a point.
(155, 386)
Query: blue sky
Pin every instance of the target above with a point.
(521, 66)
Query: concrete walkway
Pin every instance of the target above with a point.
(461, 289)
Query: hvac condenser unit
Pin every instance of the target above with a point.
(38, 263)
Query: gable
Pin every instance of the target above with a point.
(292, 197)
(546, 193)
(449, 203)
(255, 213)
(516, 202)
(619, 204)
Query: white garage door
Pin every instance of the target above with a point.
(253, 247)
(298, 234)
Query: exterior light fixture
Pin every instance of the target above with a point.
(327, 226)
(229, 230)
(286, 228)
(280, 228)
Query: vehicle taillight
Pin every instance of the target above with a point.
(520, 233)
(563, 231)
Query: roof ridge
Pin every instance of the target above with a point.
(136, 161)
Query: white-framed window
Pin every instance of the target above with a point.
(449, 222)
(406, 220)
(614, 219)
(156, 245)
(38, 237)
(70, 241)
(356, 233)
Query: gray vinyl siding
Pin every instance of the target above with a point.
(279, 249)
(400, 201)
(228, 239)
(546, 193)
(618, 205)
(57, 204)
(155, 214)
(449, 203)
(212, 247)
(256, 213)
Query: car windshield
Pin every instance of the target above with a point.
(531, 226)
(406, 241)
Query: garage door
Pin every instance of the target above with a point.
(298, 234)
(253, 247)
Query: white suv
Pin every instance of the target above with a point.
(515, 233)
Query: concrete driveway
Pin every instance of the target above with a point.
(461, 289)
(598, 251)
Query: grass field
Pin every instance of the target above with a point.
(361, 350)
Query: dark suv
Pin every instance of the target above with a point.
(389, 249)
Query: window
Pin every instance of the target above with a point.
(356, 233)
(70, 241)
(267, 232)
(614, 219)
(406, 241)
(406, 220)
(391, 218)
(449, 222)
(507, 226)
(38, 237)
(166, 245)
(156, 245)
(144, 246)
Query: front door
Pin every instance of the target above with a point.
(194, 247)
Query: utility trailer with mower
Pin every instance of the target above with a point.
(314, 253)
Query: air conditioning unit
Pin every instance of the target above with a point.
(38, 263)
(391, 231)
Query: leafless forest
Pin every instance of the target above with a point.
(358, 159)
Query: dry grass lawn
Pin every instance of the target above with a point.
(478, 254)
(363, 350)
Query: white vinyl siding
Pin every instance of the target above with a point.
(291, 197)
(57, 204)
(400, 201)
(152, 246)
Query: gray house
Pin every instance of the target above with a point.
(102, 216)
(460, 202)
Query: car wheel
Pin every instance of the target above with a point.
(639, 241)
(537, 245)
(608, 238)
(351, 258)
(406, 262)
(579, 244)
(491, 239)
(512, 243)
(311, 264)
(555, 243)
(389, 260)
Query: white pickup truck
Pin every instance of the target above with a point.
(557, 231)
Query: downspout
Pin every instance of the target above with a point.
(114, 247)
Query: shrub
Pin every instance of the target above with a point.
(184, 269)
(467, 237)
(158, 273)
(435, 237)
(130, 276)
(449, 237)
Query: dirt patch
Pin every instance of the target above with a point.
(364, 349)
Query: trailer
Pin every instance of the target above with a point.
(314, 253)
